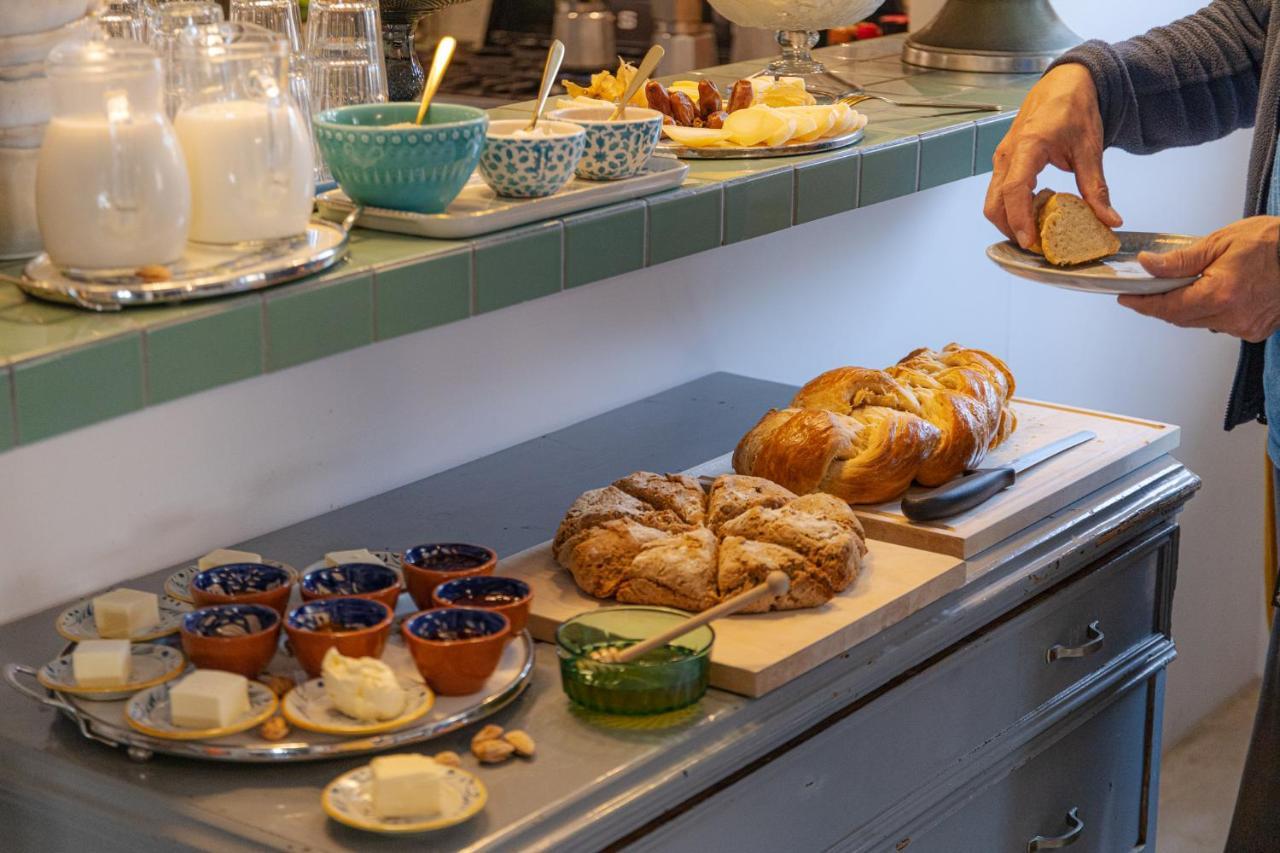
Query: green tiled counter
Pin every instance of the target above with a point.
(62, 368)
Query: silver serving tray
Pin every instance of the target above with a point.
(759, 152)
(104, 722)
(479, 210)
(1116, 275)
(204, 271)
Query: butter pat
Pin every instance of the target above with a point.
(209, 699)
(102, 663)
(224, 557)
(361, 555)
(406, 785)
(125, 613)
(362, 688)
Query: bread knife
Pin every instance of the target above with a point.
(980, 485)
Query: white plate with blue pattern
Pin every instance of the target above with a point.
(479, 210)
(349, 799)
(77, 624)
(149, 664)
(150, 713)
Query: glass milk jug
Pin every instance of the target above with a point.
(247, 144)
(111, 181)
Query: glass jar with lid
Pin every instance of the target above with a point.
(111, 181)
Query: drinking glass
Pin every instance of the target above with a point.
(168, 21)
(282, 17)
(123, 19)
(346, 64)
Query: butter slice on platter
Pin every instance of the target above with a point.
(1115, 274)
(150, 665)
(349, 800)
(150, 712)
(77, 623)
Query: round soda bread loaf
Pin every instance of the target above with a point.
(662, 539)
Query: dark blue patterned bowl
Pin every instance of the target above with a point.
(243, 583)
(235, 637)
(428, 566)
(356, 627)
(338, 615)
(357, 580)
(455, 624)
(456, 649)
(509, 596)
(230, 620)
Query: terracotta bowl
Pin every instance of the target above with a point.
(235, 637)
(352, 580)
(428, 566)
(357, 627)
(508, 596)
(456, 648)
(243, 583)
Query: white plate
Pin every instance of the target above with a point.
(76, 622)
(479, 210)
(149, 665)
(1118, 274)
(308, 706)
(349, 799)
(178, 584)
(149, 712)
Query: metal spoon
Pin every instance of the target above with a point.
(952, 106)
(439, 64)
(555, 56)
(647, 66)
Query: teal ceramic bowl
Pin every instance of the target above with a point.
(420, 169)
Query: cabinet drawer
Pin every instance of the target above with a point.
(865, 763)
(1097, 770)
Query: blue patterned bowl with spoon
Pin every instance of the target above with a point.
(613, 149)
(520, 164)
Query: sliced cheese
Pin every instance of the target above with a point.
(124, 613)
(406, 785)
(695, 137)
(209, 699)
(754, 125)
(102, 663)
(362, 688)
(225, 557)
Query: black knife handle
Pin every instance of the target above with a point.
(957, 496)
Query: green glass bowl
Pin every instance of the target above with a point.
(419, 169)
(672, 677)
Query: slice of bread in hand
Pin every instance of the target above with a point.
(1070, 233)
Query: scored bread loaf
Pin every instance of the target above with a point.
(865, 435)
(1069, 232)
(662, 540)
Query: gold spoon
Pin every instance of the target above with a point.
(555, 56)
(439, 64)
(647, 66)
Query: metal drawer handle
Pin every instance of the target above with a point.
(1088, 647)
(1057, 842)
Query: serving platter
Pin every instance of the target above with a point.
(1118, 274)
(106, 722)
(479, 210)
(758, 152)
(203, 271)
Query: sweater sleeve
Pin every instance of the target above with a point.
(1190, 82)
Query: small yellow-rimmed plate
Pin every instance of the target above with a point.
(178, 584)
(308, 706)
(76, 623)
(149, 713)
(149, 665)
(349, 799)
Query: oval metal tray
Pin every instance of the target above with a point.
(759, 152)
(104, 721)
(203, 271)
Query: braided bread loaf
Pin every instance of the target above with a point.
(661, 539)
(866, 435)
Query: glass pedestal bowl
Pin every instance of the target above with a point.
(405, 77)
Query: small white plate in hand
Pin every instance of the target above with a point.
(1116, 274)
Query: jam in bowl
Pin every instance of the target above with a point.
(428, 566)
(509, 596)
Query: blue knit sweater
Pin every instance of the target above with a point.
(1193, 81)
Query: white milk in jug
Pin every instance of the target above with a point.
(251, 170)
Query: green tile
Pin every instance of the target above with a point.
(424, 294)
(310, 323)
(603, 243)
(522, 264)
(32, 329)
(380, 247)
(6, 410)
(78, 388)
(827, 188)
(200, 353)
(758, 206)
(684, 222)
(888, 172)
(946, 156)
(991, 133)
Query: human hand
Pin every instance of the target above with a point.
(1059, 123)
(1238, 291)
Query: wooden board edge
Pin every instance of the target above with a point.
(1096, 413)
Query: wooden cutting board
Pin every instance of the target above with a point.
(1123, 445)
(756, 653)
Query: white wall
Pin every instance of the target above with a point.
(140, 492)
